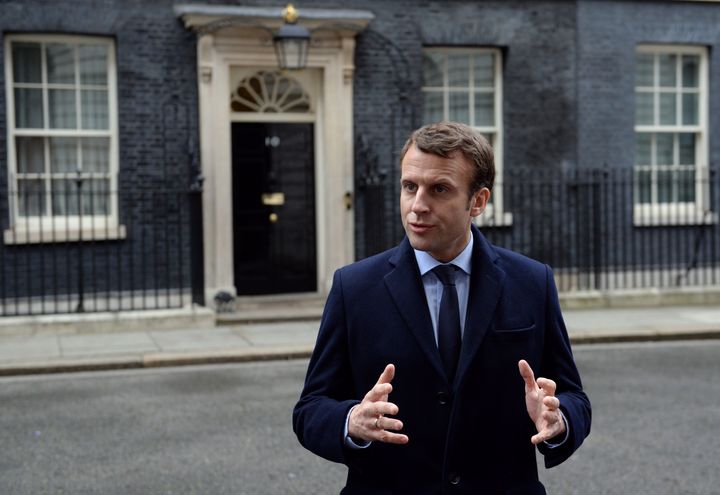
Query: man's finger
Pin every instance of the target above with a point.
(388, 374)
(539, 438)
(551, 403)
(551, 431)
(384, 408)
(385, 423)
(527, 373)
(372, 410)
(382, 388)
(388, 437)
(548, 386)
(379, 392)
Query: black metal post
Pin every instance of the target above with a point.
(81, 288)
(197, 255)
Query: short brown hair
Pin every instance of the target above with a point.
(446, 138)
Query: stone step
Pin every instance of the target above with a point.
(262, 310)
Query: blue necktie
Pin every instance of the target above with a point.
(449, 339)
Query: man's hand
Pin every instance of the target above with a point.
(542, 405)
(368, 421)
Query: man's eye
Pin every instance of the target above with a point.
(440, 188)
(409, 187)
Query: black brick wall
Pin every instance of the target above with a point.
(608, 33)
(157, 117)
(568, 102)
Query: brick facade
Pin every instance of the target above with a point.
(568, 98)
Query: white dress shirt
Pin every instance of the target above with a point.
(434, 287)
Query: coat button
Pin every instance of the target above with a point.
(454, 478)
(443, 398)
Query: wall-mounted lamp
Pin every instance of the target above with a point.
(291, 41)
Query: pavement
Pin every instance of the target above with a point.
(48, 351)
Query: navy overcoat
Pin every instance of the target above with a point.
(471, 436)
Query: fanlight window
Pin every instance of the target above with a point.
(269, 92)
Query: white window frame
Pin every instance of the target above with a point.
(495, 214)
(679, 213)
(60, 228)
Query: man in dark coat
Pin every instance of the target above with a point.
(453, 327)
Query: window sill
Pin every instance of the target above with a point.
(490, 219)
(25, 236)
(665, 219)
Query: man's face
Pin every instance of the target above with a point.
(435, 204)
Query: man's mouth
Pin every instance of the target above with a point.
(420, 228)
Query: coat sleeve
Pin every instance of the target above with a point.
(558, 364)
(320, 414)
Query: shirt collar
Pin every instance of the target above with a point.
(426, 262)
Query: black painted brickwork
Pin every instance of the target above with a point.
(568, 81)
(157, 117)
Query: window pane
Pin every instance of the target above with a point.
(668, 109)
(664, 147)
(664, 186)
(31, 197)
(27, 60)
(63, 155)
(433, 69)
(490, 136)
(93, 64)
(433, 107)
(484, 69)
(96, 155)
(643, 185)
(64, 197)
(459, 70)
(690, 109)
(60, 63)
(28, 108)
(484, 111)
(459, 107)
(668, 70)
(95, 197)
(690, 71)
(30, 155)
(62, 109)
(686, 185)
(644, 108)
(94, 109)
(644, 70)
(687, 149)
(643, 149)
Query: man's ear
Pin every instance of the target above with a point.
(479, 201)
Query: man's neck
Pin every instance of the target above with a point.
(427, 262)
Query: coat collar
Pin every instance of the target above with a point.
(486, 282)
(405, 287)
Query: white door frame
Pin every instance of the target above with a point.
(244, 44)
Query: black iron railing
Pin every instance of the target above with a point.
(125, 252)
(142, 250)
(611, 228)
(598, 228)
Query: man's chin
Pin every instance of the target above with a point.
(418, 243)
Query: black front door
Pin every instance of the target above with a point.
(274, 208)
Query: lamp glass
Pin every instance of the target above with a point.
(291, 46)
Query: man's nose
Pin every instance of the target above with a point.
(420, 204)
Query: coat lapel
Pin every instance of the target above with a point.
(486, 281)
(406, 289)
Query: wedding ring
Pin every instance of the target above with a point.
(376, 422)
